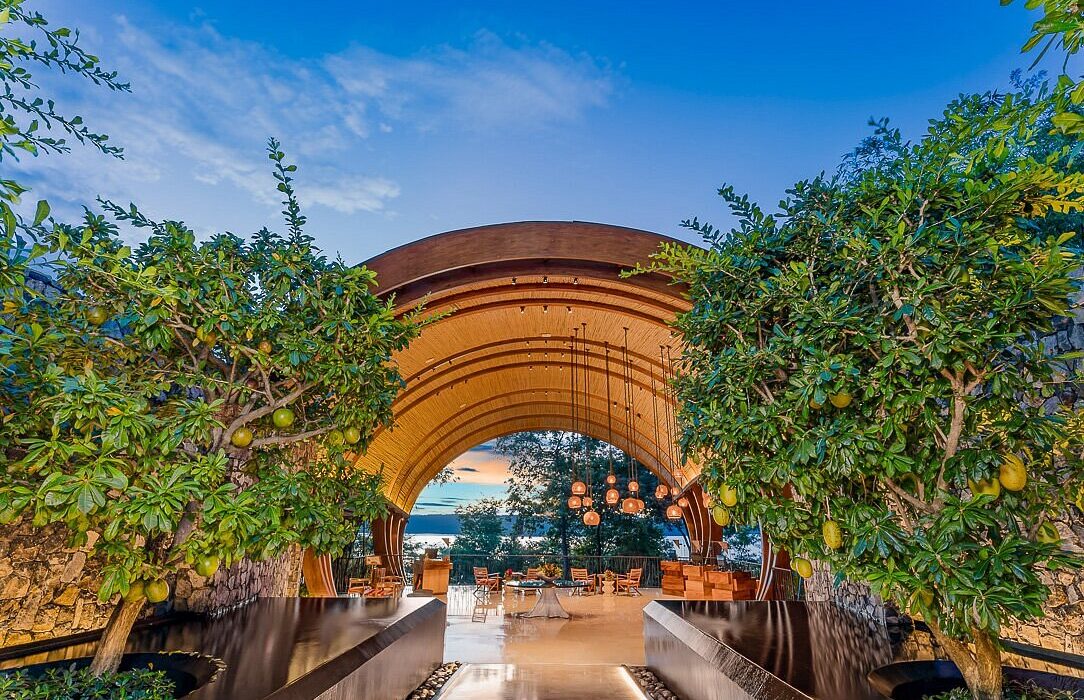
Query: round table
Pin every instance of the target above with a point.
(547, 605)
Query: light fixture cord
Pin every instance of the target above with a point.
(586, 410)
(609, 412)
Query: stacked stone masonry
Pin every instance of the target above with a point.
(48, 589)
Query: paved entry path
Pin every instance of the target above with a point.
(603, 630)
(540, 682)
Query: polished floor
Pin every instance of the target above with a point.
(540, 682)
(602, 630)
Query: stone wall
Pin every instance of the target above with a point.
(46, 588)
(50, 590)
(239, 584)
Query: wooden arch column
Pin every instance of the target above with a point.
(704, 532)
(387, 535)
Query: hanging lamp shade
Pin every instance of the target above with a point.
(590, 518)
(634, 486)
(708, 500)
(578, 488)
(674, 491)
(628, 506)
(588, 501)
(574, 502)
(683, 502)
(611, 479)
(673, 511)
(661, 491)
(612, 497)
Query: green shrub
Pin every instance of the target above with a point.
(80, 684)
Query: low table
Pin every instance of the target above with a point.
(547, 605)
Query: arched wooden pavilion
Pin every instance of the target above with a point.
(498, 362)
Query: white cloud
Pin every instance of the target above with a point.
(203, 104)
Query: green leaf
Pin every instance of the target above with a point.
(42, 212)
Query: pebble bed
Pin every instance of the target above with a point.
(435, 681)
(653, 688)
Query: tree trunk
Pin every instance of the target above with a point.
(115, 636)
(980, 665)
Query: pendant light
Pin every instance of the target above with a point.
(590, 518)
(683, 502)
(575, 500)
(631, 504)
(612, 495)
(578, 487)
(661, 491)
(673, 511)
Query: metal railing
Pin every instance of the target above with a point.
(462, 573)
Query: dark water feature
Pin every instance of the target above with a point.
(817, 649)
(266, 645)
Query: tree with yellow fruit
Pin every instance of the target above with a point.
(862, 374)
(192, 402)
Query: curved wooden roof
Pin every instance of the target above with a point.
(499, 363)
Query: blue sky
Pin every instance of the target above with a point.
(412, 118)
(408, 119)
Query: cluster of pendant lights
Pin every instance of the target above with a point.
(582, 496)
(674, 510)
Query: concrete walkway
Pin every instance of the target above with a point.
(540, 682)
(602, 630)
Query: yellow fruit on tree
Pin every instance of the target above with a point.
(985, 487)
(282, 418)
(157, 591)
(721, 516)
(97, 316)
(265, 347)
(728, 496)
(833, 535)
(135, 591)
(352, 435)
(206, 337)
(335, 438)
(803, 567)
(242, 437)
(1013, 475)
(1048, 533)
(840, 400)
(207, 566)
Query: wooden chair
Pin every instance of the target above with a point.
(483, 582)
(531, 575)
(630, 584)
(362, 585)
(582, 575)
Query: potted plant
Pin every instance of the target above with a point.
(609, 579)
(863, 373)
(549, 572)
